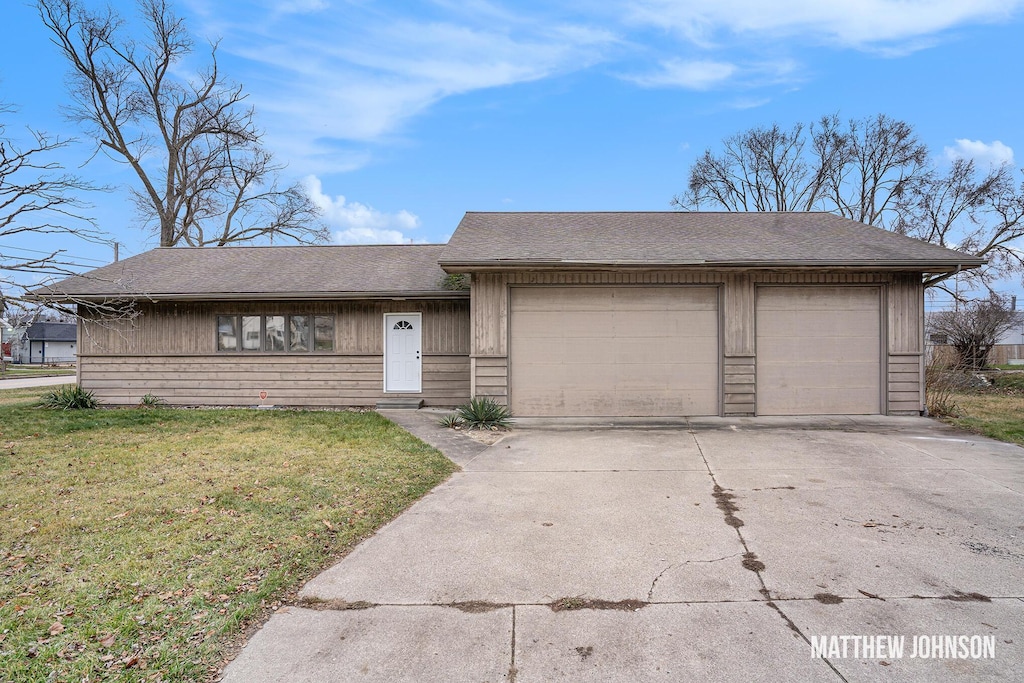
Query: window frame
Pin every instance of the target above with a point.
(240, 349)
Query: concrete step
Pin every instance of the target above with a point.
(399, 404)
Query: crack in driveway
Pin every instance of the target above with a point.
(724, 501)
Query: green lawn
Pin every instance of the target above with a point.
(142, 544)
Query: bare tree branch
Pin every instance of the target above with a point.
(974, 327)
(875, 171)
(204, 176)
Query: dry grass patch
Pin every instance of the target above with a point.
(995, 415)
(141, 544)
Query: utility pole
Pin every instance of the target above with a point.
(116, 246)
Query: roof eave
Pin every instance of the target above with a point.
(924, 266)
(246, 296)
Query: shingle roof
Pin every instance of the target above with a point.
(294, 272)
(58, 332)
(676, 237)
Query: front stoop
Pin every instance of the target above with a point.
(399, 404)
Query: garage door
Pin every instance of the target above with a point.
(818, 351)
(614, 351)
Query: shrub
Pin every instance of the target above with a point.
(484, 413)
(69, 397)
(941, 384)
(455, 282)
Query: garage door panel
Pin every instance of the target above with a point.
(640, 299)
(826, 349)
(822, 375)
(823, 299)
(825, 401)
(652, 377)
(614, 351)
(787, 324)
(818, 350)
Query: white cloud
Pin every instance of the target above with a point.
(359, 73)
(749, 102)
(994, 153)
(856, 23)
(693, 75)
(355, 223)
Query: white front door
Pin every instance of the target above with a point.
(402, 364)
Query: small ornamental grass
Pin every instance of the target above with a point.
(150, 401)
(450, 421)
(69, 397)
(484, 413)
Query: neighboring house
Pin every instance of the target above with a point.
(46, 342)
(568, 314)
(11, 333)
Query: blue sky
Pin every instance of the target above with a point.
(402, 116)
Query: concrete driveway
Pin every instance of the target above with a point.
(718, 550)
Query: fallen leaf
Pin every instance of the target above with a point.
(328, 525)
(106, 658)
(56, 628)
(130, 661)
(107, 640)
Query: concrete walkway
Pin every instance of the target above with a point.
(714, 551)
(28, 382)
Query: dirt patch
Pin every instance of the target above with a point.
(828, 598)
(751, 562)
(724, 501)
(585, 652)
(478, 606)
(333, 605)
(568, 604)
(957, 596)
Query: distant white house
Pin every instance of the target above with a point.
(47, 343)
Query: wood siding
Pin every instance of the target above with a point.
(902, 322)
(168, 351)
(189, 328)
(490, 378)
(739, 383)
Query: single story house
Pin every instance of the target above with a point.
(566, 314)
(47, 342)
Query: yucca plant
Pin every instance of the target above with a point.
(451, 421)
(69, 397)
(484, 413)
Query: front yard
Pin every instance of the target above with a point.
(142, 544)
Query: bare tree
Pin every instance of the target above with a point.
(858, 171)
(37, 196)
(978, 213)
(875, 171)
(204, 177)
(974, 327)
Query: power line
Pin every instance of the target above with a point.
(47, 253)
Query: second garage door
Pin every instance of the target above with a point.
(818, 351)
(614, 351)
